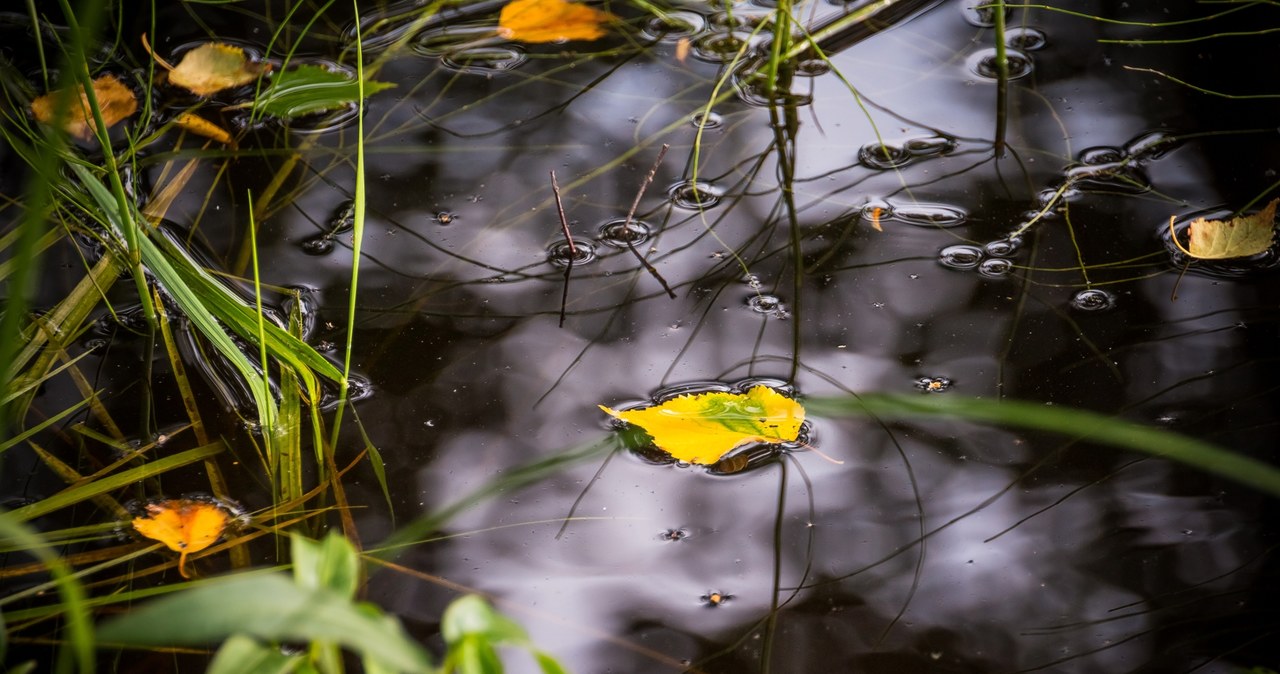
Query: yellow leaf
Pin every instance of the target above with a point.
(203, 127)
(551, 21)
(115, 100)
(184, 525)
(215, 66)
(704, 427)
(1241, 237)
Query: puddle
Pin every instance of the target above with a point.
(1036, 266)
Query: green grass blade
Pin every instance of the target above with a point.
(103, 485)
(79, 628)
(40, 427)
(1077, 423)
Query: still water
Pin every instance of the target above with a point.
(890, 231)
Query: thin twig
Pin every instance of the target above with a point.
(564, 222)
(626, 227)
(573, 250)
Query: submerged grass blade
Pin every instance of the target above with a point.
(1077, 423)
(106, 484)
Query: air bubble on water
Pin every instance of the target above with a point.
(1026, 38)
(930, 215)
(1093, 299)
(320, 244)
(484, 60)
(695, 195)
(768, 305)
(1003, 247)
(995, 267)
(960, 256)
(706, 119)
(884, 156)
(673, 26)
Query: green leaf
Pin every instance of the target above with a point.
(472, 616)
(270, 608)
(329, 564)
(309, 89)
(243, 655)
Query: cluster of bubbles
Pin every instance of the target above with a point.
(892, 154)
(342, 221)
(991, 260)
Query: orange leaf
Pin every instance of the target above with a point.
(203, 127)
(184, 525)
(115, 100)
(551, 21)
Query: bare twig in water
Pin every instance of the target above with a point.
(564, 222)
(626, 227)
(573, 250)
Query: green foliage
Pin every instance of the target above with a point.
(472, 629)
(308, 89)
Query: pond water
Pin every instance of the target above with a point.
(889, 229)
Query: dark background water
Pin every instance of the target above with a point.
(933, 546)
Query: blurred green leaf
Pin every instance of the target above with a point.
(244, 655)
(309, 89)
(269, 607)
(471, 616)
(329, 564)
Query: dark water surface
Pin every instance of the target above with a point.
(934, 546)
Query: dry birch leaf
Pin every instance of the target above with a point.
(115, 100)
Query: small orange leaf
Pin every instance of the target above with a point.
(213, 67)
(551, 21)
(875, 218)
(704, 427)
(184, 525)
(203, 127)
(115, 100)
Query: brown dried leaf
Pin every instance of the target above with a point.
(213, 67)
(115, 100)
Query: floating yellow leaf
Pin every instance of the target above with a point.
(551, 21)
(1241, 237)
(704, 427)
(184, 525)
(115, 100)
(213, 67)
(203, 127)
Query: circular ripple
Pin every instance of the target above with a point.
(560, 254)
(620, 233)
(1026, 39)
(1093, 300)
(884, 156)
(983, 64)
(695, 196)
(484, 59)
